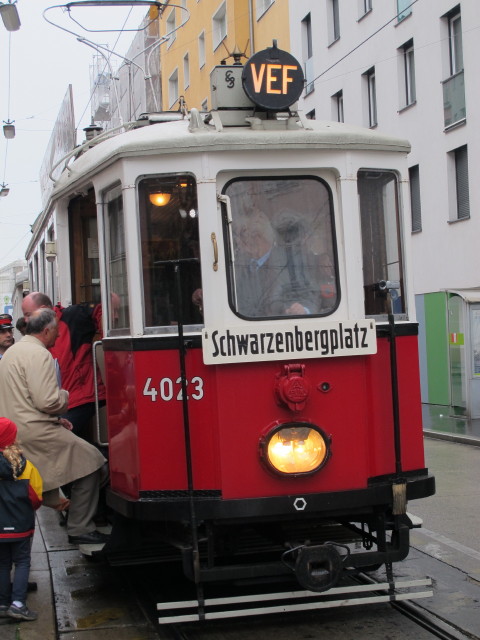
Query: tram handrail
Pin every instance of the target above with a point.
(98, 438)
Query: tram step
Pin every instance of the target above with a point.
(261, 604)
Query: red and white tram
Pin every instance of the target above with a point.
(260, 343)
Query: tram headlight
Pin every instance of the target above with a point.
(295, 449)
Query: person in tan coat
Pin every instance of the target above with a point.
(30, 396)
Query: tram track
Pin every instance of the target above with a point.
(437, 626)
(432, 623)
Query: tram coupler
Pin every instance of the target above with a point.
(317, 568)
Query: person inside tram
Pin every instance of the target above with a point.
(271, 278)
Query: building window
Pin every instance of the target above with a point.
(404, 9)
(371, 96)
(170, 27)
(219, 25)
(333, 21)
(307, 53)
(337, 104)
(455, 43)
(461, 205)
(364, 7)
(408, 60)
(262, 6)
(173, 89)
(201, 50)
(311, 115)
(186, 71)
(415, 202)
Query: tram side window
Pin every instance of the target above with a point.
(381, 244)
(281, 244)
(117, 303)
(170, 250)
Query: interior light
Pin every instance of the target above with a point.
(192, 213)
(296, 448)
(160, 199)
(4, 190)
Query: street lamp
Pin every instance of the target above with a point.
(4, 190)
(10, 16)
(9, 129)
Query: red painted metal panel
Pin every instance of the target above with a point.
(232, 406)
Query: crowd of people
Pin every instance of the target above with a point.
(47, 398)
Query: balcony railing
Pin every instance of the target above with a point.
(454, 99)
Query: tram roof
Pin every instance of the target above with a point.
(178, 137)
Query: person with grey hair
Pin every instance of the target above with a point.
(267, 281)
(31, 397)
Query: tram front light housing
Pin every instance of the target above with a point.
(295, 449)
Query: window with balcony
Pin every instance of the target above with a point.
(415, 202)
(404, 9)
(454, 107)
(219, 25)
(455, 43)
(307, 53)
(408, 90)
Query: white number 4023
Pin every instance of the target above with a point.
(168, 389)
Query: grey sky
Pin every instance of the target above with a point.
(43, 61)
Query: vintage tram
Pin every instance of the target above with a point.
(263, 413)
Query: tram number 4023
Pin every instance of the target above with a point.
(169, 389)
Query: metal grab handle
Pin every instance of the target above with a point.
(98, 435)
(215, 251)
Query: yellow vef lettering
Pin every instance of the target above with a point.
(286, 78)
(271, 78)
(257, 78)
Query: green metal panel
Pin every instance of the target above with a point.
(437, 348)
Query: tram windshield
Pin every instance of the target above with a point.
(281, 243)
(170, 251)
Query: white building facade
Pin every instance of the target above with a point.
(408, 67)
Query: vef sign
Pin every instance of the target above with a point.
(273, 79)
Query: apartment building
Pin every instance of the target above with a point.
(407, 67)
(214, 30)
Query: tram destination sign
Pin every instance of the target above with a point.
(288, 341)
(273, 79)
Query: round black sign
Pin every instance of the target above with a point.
(273, 79)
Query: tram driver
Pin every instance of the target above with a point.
(271, 279)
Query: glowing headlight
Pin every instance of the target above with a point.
(296, 448)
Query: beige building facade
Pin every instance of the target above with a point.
(213, 31)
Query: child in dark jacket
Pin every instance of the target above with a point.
(20, 495)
